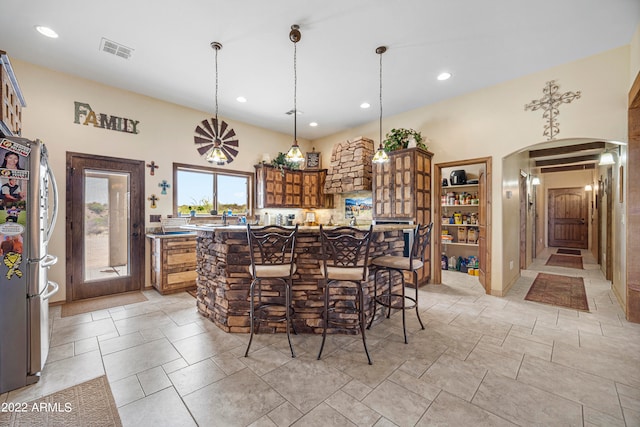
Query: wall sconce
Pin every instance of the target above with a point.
(535, 181)
(588, 187)
(606, 158)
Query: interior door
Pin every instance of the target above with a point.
(105, 226)
(568, 212)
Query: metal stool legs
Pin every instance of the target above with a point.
(386, 299)
(361, 318)
(264, 307)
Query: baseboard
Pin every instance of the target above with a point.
(503, 292)
(620, 300)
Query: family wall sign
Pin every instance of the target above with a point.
(84, 115)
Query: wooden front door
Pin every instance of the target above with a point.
(105, 226)
(568, 212)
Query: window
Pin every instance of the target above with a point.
(211, 191)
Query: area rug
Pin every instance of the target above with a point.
(568, 261)
(87, 404)
(101, 303)
(569, 251)
(558, 290)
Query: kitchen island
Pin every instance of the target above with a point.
(223, 276)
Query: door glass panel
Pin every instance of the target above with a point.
(106, 225)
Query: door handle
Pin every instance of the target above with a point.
(581, 221)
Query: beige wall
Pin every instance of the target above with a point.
(492, 122)
(166, 136)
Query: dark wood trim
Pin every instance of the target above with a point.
(634, 93)
(137, 227)
(632, 201)
(569, 168)
(437, 214)
(250, 175)
(558, 151)
(568, 160)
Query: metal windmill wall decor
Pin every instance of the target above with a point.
(550, 103)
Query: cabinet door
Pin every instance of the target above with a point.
(402, 188)
(273, 188)
(311, 189)
(382, 190)
(293, 188)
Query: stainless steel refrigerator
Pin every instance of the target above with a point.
(28, 211)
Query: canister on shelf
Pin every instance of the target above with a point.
(462, 234)
(457, 218)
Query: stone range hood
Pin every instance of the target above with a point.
(350, 168)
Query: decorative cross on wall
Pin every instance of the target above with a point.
(153, 199)
(153, 167)
(550, 103)
(164, 185)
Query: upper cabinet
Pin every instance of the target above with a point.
(11, 100)
(402, 187)
(287, 188)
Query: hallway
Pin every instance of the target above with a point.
(481, 360)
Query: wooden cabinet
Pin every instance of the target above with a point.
(402, 187)
(173, 263)
(290, 188)
(402, 193)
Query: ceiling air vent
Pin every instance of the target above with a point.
(115, 48)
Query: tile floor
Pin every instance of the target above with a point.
(480, 361)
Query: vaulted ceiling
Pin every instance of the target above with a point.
(481, 43)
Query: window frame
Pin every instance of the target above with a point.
(214, 171)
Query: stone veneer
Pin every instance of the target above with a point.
(350, 168)
(224, 279)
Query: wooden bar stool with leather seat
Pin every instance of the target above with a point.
(345, 258)
(413, 263)
(271, 249)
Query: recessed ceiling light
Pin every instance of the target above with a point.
(444, 76)
(46, 31)
(365, 105)
(313, 124)
(241, 99)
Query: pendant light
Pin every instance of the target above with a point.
(294, 154)
(381, 155)
(216, 155)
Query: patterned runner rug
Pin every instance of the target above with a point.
(568, 261)
(558, 290)
(87, 404)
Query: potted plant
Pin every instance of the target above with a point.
(398, 139)
(282, 163)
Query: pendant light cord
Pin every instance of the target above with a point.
(380, 99)
(216, 87)
(295, 92)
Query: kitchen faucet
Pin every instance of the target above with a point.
(353, 222)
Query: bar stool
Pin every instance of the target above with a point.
(413, 263)
(345, 258)
(272, 258)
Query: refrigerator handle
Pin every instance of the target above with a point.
(54, 214)
(49, 260)
(48, 294)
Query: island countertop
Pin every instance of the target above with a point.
(301, 228)
(224, 278)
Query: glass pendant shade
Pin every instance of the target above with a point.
(294, 154)
(380, 156)
(216, 155)
(535, 181)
